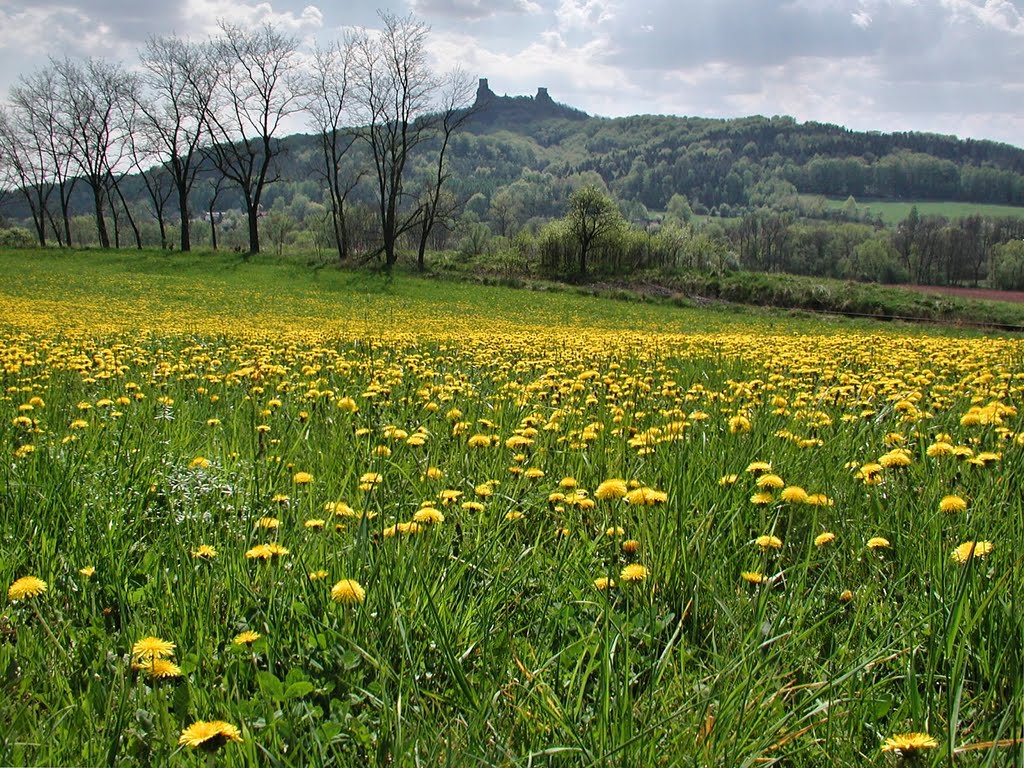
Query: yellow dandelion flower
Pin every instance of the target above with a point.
(26, 587)
(428, 516)
(907, 744)
(317, 575)
(728, 480)
(824, 539)
(302, 478)
(878, 542)
(159, 669)
(479, 441)
(793, 494)
(633, 573)
(761, 498)
(433, 473)
(758, 467)
(204, 552)
(473, 506)
(152, 648)
(613, 488)
(248, 637)
(199, 462)
(315, 523)
(969, 549)
(739, 424)
(348, 591)
(268, 522)
(644, 496)
(603, 583)
(533, 473)
(88, 571)
(939, 448)
(615, 530)
(768, 542)
(631, 546)
(952, 503)
(513, 515)
(770, 482)
(209, 735)
(266, 552)
(753, 577)
(846, 596)
(818, 500)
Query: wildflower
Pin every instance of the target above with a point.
(969, 549)
(473, 506)
(302, 478)
(204, 552)
(939, 448)
(449, 496)
(845, 596)
(266, 552)
(758, 467)
(824, 539)
(316, 523)
(479, 441)
(897, 457)
(25, 587)
(159, 669)
(645, 496)
(268, 522)
(615, 530)
(209, 735)
(611, 489)
(793, 494)
(633, 573)
(533, 473)
(770, 482)
(818, 500)
(753, 577)
(877, 542)
(280, 498)
(728, 480)
(248, 637)
(151, 647)
(428, 516)
(631, 546)
(761, 498)
(433, 473)
(199, 462)
(317, 575)
(513, 514)
(768, 542)
(604, 583)
(88, 571)
(907, 744)
(952, 504)
(348, 591)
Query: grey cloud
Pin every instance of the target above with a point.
(472, 10)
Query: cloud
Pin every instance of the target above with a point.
(202, 16)
(473, 10)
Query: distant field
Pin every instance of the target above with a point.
(893, 211)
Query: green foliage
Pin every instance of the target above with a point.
(1008, 265)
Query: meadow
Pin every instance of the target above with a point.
(895, 211)
(259, 513)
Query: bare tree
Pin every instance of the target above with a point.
(38, 106)
(92, 97)
(179, 82)
(23, 166)
(329, 107)
(394, 93)
(258, 90)
(436, 208)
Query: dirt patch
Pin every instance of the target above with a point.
(989, 294)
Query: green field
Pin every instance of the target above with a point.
(893, 211)
(263, 512)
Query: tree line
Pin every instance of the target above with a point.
(215, 109)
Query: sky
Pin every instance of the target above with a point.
(944, 66)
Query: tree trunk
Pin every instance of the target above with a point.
(101, 225)
(254, 231)
(186, 236)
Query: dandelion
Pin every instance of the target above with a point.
(317, 575)
(603, 583)
(210, 735)
(824, 539)
(473, 506)
(728, 480)
(248, 637)
(533, 473)
(753, 577)
(204, 552)
(739, 424)
(428, 516)
(159, 669)
(315, 523)
(793, 494)
(88, 571)
(302, 478)
(644, 496)
(615, 530)
(969, 549)
(770, 482)
(151, 647)
(199, 462)
(613, 488)
(631, 546)
(758, 467)
(633, 573)
(348, 591)
(271, 523)
(846, 596)
(513, 514)
(952, 503)
(266, 552)
(908, 744)
(26, 587)
(878, 542)
(762, 498)
(818, 500)
(767, 542)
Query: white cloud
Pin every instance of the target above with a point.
(203, 16)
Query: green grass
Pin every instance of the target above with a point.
(894, 211)
(483, 640)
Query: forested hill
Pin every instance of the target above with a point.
(741, 161)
